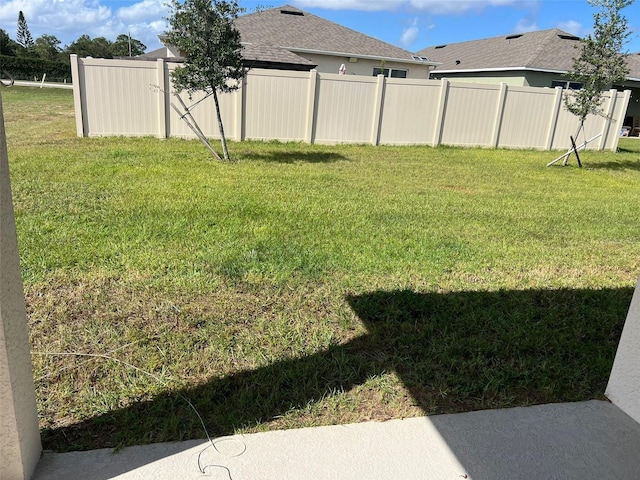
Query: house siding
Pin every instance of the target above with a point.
(331, 64)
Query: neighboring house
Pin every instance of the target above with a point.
(536, 59)
(287, 38)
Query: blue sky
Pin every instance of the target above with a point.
(410, 24)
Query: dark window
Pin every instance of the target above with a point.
(566, 84)
(389, 73)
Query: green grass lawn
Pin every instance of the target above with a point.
(309, 285)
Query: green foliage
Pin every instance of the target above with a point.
(204, 32)
(601, 63)
(47, 47)
(120, 48)
(100, 47)
(85, 46)
(23, 35)
(22, 68)
(7, 45)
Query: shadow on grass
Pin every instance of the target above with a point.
(621, 165)
(293, 157)
(454, 352)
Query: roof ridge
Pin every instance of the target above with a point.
(354, 31)
(321, 33)
(537, 53)
(499, 36)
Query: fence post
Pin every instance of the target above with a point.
(240, 109)
(555, 112)
(78, 94)
(162, 99)
(20, 445)
(502, 97)
(444, 93)
(619, 120)
(377, 110)
(311, 107)
(611, 105)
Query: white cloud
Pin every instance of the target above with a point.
(525, 25)
(68, 19)
(410, 34)
(365, 5)
(437, 7)
(573, 27)
(143, 11)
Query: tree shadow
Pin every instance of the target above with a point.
(453, 351)
(619, 165)
(292, 157)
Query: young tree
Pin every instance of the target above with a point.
(23, 35)
(203, 31)
(47, 47)
(602, 62)
(125, 46)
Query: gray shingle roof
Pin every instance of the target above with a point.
(542, 50)
(270, 53)
(547, 49)
(298, 30)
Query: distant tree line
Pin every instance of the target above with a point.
(25, 58)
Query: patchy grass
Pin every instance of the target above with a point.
(309, 285)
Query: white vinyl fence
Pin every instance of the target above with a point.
(133, 98)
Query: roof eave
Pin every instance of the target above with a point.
(359, 55)
(502, 69)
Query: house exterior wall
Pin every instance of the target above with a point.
(364, 67)
(515, 79)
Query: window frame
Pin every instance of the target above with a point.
(566, 84)
(388, 72)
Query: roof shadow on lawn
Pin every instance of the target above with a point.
(294, 157)
(483, 349)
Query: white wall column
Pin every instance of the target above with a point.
(19, 433)
(624, 383)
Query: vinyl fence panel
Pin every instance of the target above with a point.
(345, 108)
(122, 100)
(132, 97)
(408, 111)
(470, 114)
(278, 102)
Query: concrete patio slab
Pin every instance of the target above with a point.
(581, 440)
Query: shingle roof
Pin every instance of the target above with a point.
(296, 30)
(547, 49)
(271, 53)
(552, 50)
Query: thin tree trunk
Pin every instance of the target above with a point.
(225, 151)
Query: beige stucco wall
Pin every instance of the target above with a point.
(512, 78)
(487, 78)
(331, 64)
